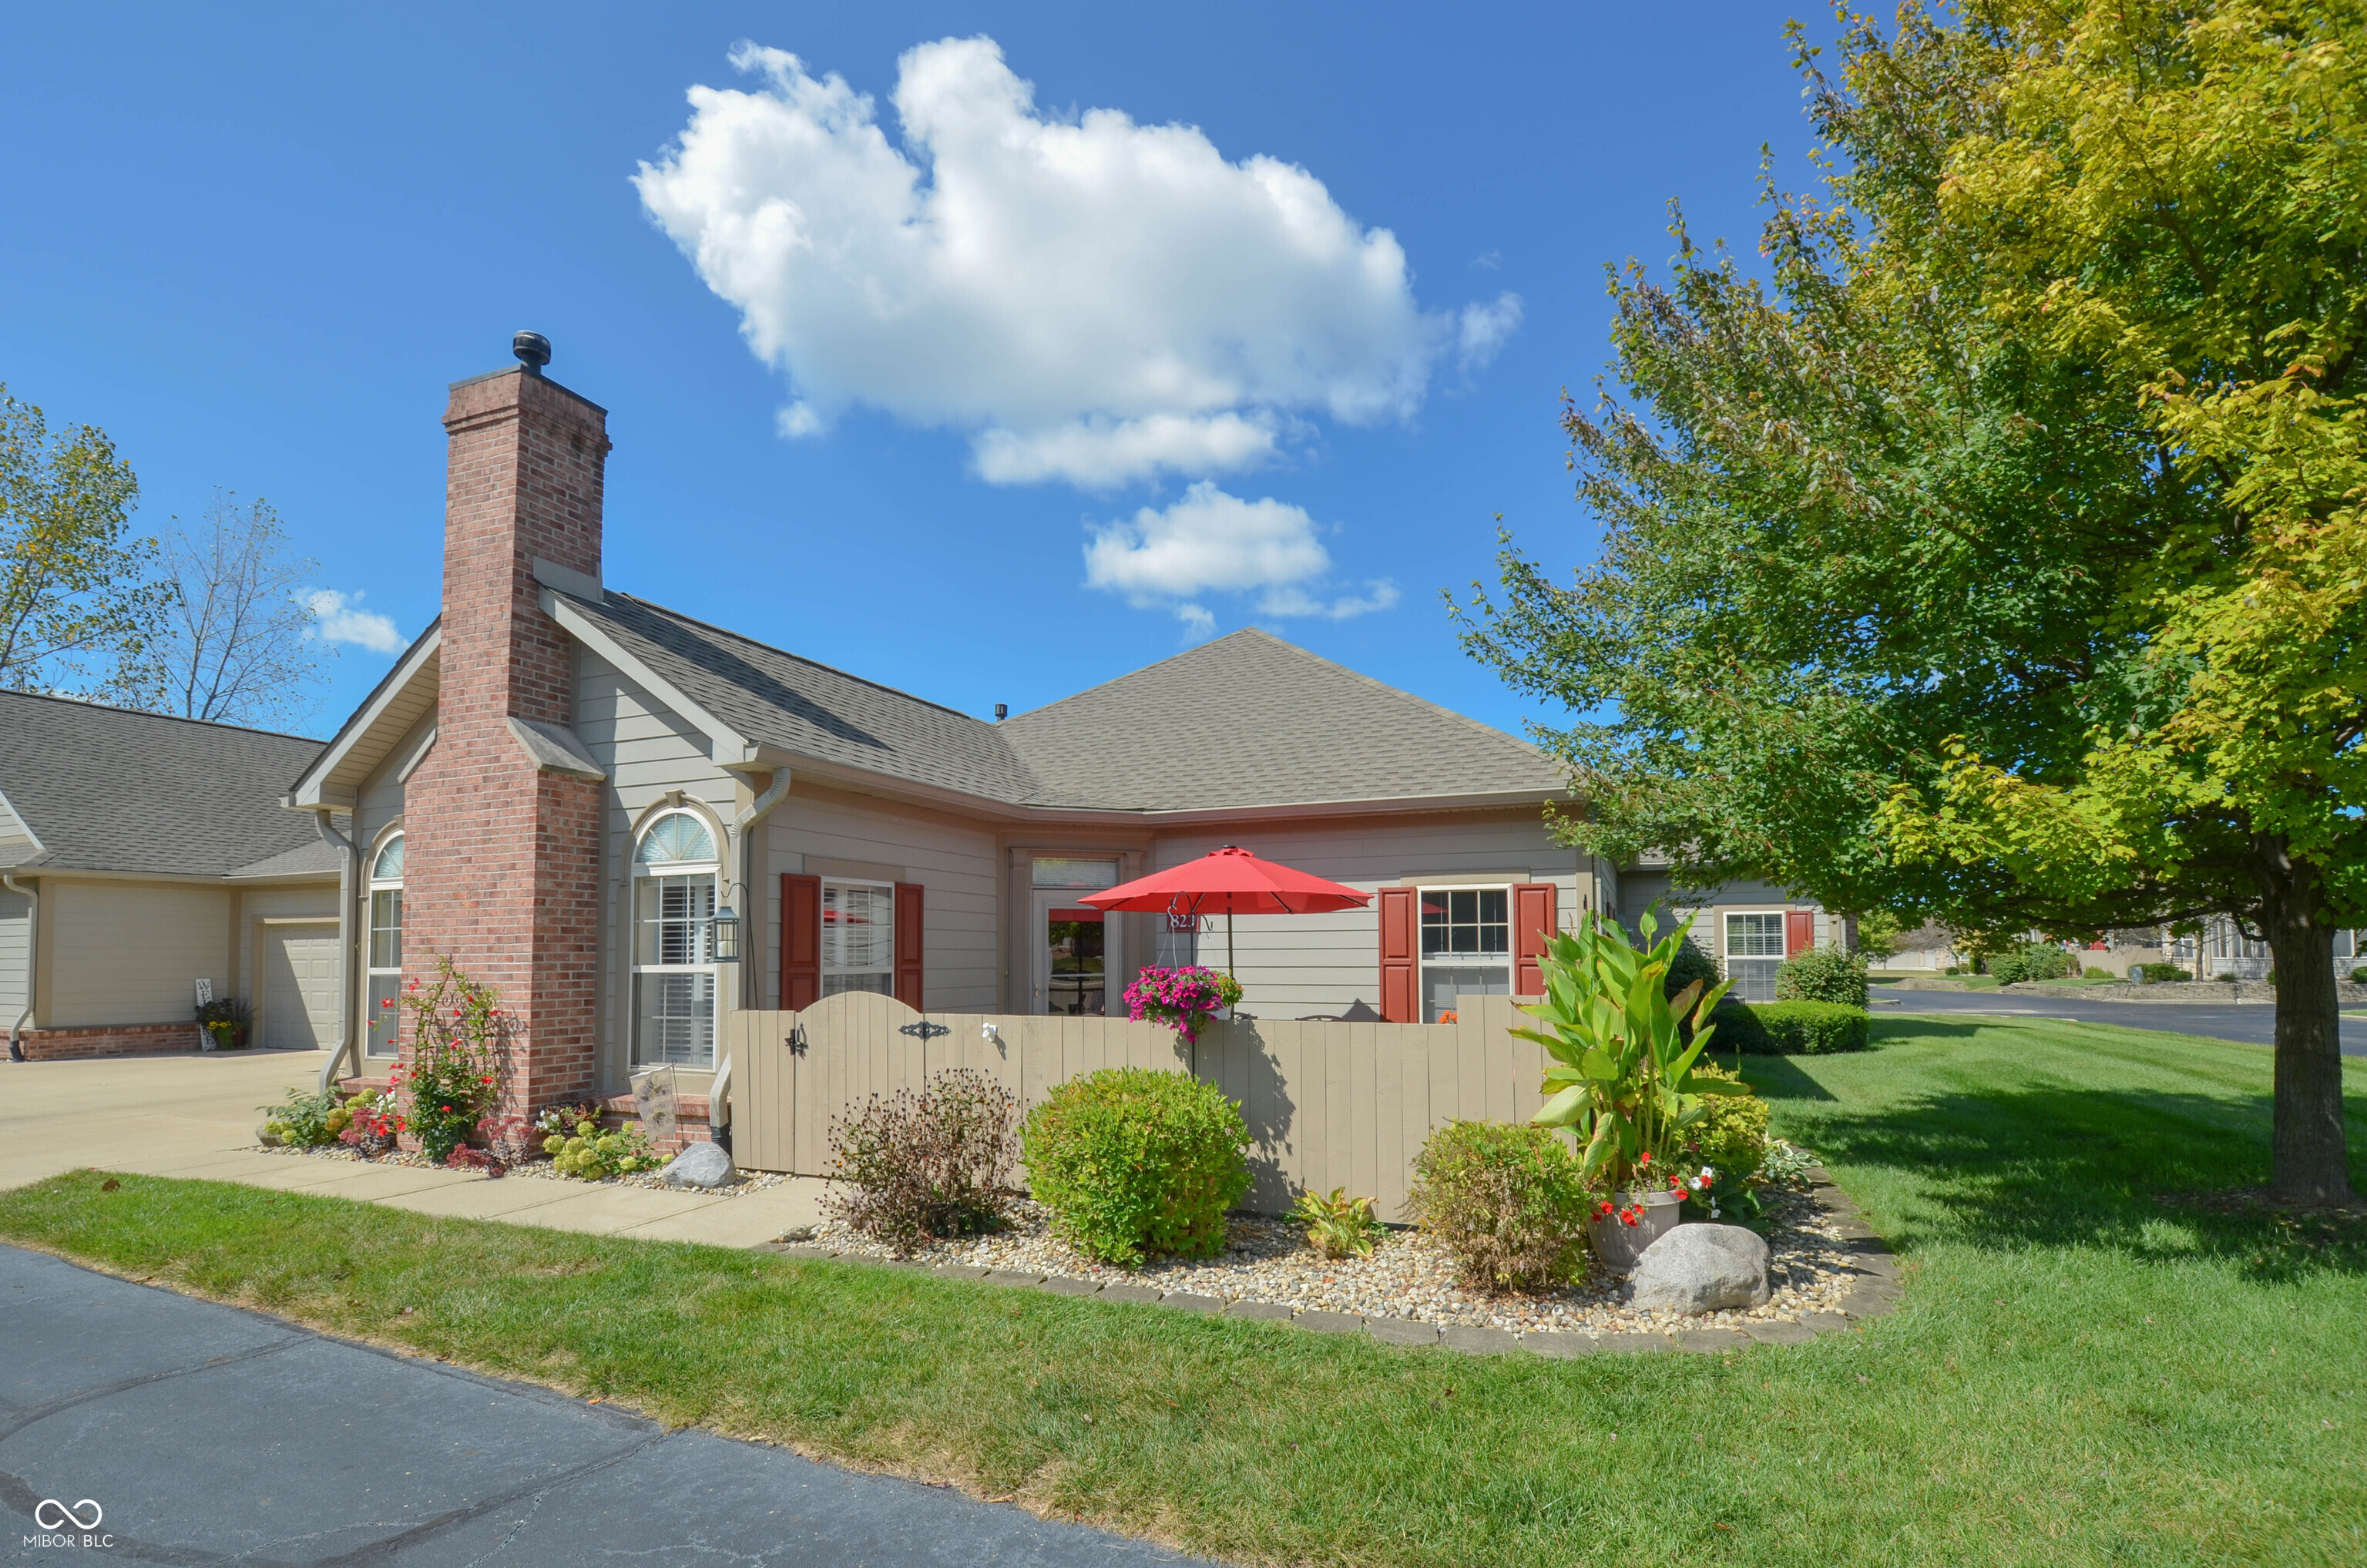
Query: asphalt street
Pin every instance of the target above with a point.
(156, 1428)
(2253, 1023)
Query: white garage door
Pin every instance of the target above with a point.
(300, 986)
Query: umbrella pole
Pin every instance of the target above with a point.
(1229, 945)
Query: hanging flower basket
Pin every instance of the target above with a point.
(1184, 998)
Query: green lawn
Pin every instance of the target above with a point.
(2079, 1373)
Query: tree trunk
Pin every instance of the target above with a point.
(2309, 1160)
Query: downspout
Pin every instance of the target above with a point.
(32, 959)
(743, 853)
(326, 822)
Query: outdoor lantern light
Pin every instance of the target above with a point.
(727, 936)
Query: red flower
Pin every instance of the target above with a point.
(1644, 1159)
(388, 1002)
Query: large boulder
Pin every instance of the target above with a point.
(699, 1165)
(1702, 1268)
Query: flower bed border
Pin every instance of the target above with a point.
(1875, 1293)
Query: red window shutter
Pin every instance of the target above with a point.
(1401, 956)
(800, 942)
(1535, 910)
(1799, 931)
(908, 944)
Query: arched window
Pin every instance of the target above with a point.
(385, 946)
(675, 874)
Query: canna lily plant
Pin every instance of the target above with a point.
(1622, 1069)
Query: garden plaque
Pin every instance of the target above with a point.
(654, 1102)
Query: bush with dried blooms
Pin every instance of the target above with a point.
(1508, 1199)
(933, 1164)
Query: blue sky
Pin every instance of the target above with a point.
(1095, 390)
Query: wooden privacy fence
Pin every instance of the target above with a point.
(1328, 1104)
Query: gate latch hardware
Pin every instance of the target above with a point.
(796, 1041)
(924, 1030)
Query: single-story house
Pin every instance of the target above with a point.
(1748, 927)
(141, 855)
(632, 823)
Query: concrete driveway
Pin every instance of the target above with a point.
(195, 1115)
(198, 1432)
(2248, 1023)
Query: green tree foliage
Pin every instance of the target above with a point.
(1998, 558)
(79, 603)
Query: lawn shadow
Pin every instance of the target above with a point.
(2025, 1168)
(1779, 1078)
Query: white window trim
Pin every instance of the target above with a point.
(1728, 957)
(1425, 963)
(711, 969)
(886, 970)
(372, 886)
(1465, 961)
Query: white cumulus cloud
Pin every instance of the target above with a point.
(339, 618)
(1095, 302)
(1210, 541)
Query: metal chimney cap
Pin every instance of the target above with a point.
(533, 349)
(1001, 712)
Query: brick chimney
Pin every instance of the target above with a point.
(503, 858)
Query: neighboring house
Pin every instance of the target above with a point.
(1925, 948)
(633, 824)
(140, 854)
(1748, 927)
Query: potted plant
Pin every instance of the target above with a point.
(1184, 998)
(1622, 1072)
(226, 1021)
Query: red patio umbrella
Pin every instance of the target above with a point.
(1229, 881)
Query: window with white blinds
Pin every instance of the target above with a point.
(858, 937)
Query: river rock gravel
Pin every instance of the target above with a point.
(1408, 1275)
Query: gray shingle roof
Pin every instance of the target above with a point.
(1248, 720)
(1252, 720)
(104, 789)
(811, 708)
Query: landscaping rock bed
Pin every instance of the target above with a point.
(741, 1182)
(1815, 1264)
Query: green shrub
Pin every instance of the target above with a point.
(307, 1121)
(1508, 1201)
(2030, 961)
(2358, 975)
(2092, 973)
(2162, 973)
(1790, 1029)
(1822, 974)
(1687, 965)
(595, 1155)
(1733, 1136)
(1136, 1163)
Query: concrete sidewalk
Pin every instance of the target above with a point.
(206, 1434)
(195, 1115)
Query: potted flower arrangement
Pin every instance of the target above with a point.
(1621, 1074)
(226, 1021)
(1184, 998)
